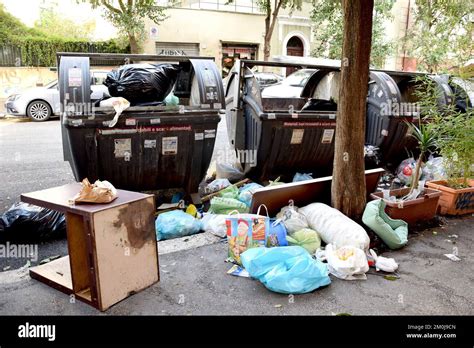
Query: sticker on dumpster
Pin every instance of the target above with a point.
(380, 94)
(150, 144)
(155, 121)
(123, 147)
(74, 77)
(198, 136)
(169, 146)
(384, 132)
(297, 136)
(130, 122)
(309, 124)
(328, 134)
(294, 115)
(271, 116)
(209, 133)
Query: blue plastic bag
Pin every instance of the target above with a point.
(302, 177)
(246, 192)
(287, 270)
(176, 223)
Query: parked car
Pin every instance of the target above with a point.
(266, 79)
(290, 87)
(41, 103)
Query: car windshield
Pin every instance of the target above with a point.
(298, 78)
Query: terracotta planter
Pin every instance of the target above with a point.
(422, 208)
(454, 201)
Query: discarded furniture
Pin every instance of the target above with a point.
(112, 247)
(305, 192)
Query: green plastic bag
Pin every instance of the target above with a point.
(394, 233)
(306, 238)
(223, 205)
(230, 192)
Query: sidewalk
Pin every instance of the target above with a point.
(194, 282)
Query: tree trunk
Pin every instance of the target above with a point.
(134, 46)
(348, 192)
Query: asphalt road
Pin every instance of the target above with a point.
(31, 159)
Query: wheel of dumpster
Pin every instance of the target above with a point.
(38, 111)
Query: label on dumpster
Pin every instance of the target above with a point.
(130, 122)
(297, 136)
(198, 136)
(209, 133)
(328, 134)
(74, 77)
(155, 121)
(123, 148)
(310, 124)
(169, 146)
(150, 144)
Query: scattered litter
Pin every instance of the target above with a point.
(453, 236)
(246, 192)
(391, 277)
(347, 262)
(218, 185)
(435, 233)
(278, 306)
(6, 268)
(176, 223)
(222, 205)
(98, 192)
(226, 171)
(452, 257)
(449, 241)
(253, 230)
(306, 238)
(215, 224)
(384, 263)
(393, 232)
(27, 222)
(302, 177)
(334, 227)
(287, 270)
(292, 219)
(238, 271)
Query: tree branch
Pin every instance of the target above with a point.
(110, 7)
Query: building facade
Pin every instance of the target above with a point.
(227, 31)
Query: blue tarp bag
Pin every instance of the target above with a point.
(287, 270)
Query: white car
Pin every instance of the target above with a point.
(290, 87)
(40, 103)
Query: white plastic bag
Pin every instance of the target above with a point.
(385, 264)
(292, 219)
(334, 227)
(215, 224)
(347, 262)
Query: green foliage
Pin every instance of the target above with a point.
(440, 27)
(328, 20)
(129, 17)
(53, 25)
(453, 132)
(39, 48)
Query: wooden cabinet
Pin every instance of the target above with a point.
(112, 247)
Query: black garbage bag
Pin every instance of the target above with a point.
(26, 222)
(320, 105)
(139, 83)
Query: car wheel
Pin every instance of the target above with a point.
(39, 111)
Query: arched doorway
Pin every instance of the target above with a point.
(294, 47)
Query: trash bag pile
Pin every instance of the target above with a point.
(25, 222)
(141, 83)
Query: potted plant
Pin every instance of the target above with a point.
(414, 204)
(455, 140)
